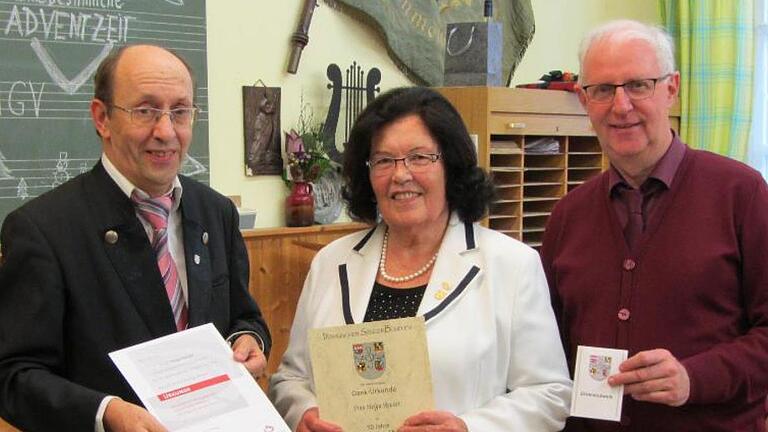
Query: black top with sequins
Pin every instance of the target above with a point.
(390, 303)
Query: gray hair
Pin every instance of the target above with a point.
(624, 30)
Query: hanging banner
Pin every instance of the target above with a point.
(415, 30)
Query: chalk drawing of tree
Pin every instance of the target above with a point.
(21, 190)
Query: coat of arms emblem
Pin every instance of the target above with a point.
(599, 367)
(370, 361)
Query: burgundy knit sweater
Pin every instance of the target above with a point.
(697, 286)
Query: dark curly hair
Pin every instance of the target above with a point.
(469, 191)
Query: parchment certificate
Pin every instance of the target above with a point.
(370, 377)
(190, 382)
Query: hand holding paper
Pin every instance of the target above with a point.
(121, 416)
(189, 382)
(311, 422)
(593, 396)
(248, 352)
(434, 420)
(654, 376)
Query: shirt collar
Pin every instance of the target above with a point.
(664, 171)
(127, 187)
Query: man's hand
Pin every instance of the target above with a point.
(437, 421)
(654, 376)
(247, 351)
(310, 422)
(122, 416)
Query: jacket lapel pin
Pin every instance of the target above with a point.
(111, 237)
(443, 291)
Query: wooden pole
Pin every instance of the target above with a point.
(300, 38)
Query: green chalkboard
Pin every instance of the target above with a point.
(49, 50)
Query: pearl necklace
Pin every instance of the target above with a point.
(406, 278)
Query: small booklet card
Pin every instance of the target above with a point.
(592, 396)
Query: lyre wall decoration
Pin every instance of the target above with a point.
(356, 90)
(261, 125)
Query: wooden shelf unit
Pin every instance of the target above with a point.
(505, 120)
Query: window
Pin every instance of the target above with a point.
(758, 141)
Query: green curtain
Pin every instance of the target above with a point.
(714, 50)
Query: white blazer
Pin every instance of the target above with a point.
(495, 351)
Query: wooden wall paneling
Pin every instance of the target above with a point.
(280, 259)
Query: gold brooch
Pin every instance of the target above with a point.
(445, 288)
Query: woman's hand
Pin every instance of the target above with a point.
(433, 421)
(310, 422)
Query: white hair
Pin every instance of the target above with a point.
(625, 30)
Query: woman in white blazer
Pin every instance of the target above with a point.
(495, 353)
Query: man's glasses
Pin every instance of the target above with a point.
(635, 90)
(415, 162)
(148, 116)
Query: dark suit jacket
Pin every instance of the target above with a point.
(68, 296)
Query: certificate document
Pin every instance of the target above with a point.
(371, 376)
(592, 396)
(190, 382)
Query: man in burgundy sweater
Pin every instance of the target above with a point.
(664, 254)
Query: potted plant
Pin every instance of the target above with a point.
(306, 161)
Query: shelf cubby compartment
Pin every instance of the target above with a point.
(506, 224)
(506, 144)
(535, 223)
(509, 192)
(533, 238)
(505, 208)
(583, 144)
(506, 160)
(585, 160)
(531, 149)
(537, 207)
(542, 191)
(544, 176)
(578, 176)
(502, 177)
(538, 161)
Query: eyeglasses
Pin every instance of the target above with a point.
(635, 90)
(415, 162)
(148, 116)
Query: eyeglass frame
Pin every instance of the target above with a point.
(433, 158)
(655, 81)
(159, 113)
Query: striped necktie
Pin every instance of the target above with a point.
(155, 211)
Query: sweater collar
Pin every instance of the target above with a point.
(663, 172)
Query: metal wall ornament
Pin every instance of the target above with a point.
(261, 126)
(349, 94)
(356, 90)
